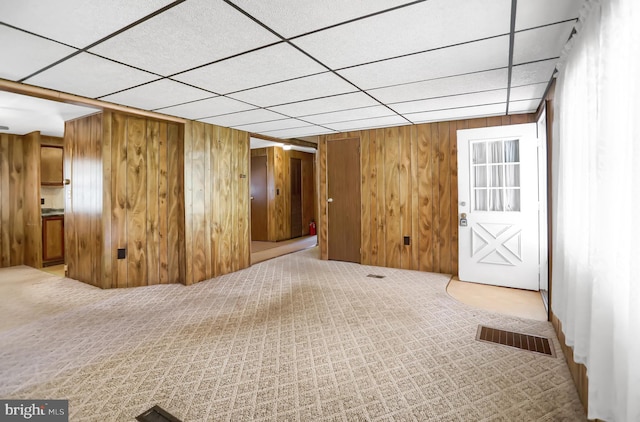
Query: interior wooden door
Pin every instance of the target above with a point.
(295, 167)
(259, 199)
(343, 195)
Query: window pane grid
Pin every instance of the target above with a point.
(495, 169)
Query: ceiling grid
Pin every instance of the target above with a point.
(286, 68)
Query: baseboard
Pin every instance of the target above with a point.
(578, 370)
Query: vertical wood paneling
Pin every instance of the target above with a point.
(372, 199)
(11, 200)
(31, 198)
(119, 190)
(221, 212)
(365, 204)
(409, 188)
(444, 204)
(108, 252)
(392, 196)
(136, 202)
(406, 187)
(176, 215)
(153, 201)
(322, 193)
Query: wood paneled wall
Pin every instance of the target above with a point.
(126, 193)
(31, 199)
(84, 240)
(409, 188)
(12, 179)
(278, 190)
(216, 180)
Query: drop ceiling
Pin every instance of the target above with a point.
(291, 68)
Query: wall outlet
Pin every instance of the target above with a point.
(407, 240)
(122, 253)
(41, 201)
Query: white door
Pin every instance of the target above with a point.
(498, 206)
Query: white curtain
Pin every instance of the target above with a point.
(596, 211)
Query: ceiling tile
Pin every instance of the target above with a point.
(541, 43)
(191, 34)
(532, 73)
(293, 17)
(440, 87)
(76, 22)
(531, 13)
(309, 87)
(326, 105)
(454, 101)
(244, 117)
(268, 65)
(205, 108)
(472, 57)
(299, 132)
(368, 123)
(272, 125)
(158, 94)
(24, 114)
(346, 115)
(15, 64)
(458, 113)
(90, 76)
(524, 106)
(423, 26)
(527, 91)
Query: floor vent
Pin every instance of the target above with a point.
(376, 276)
(156, 414)
(528, 342)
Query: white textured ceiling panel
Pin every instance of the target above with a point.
(524, 106)
(458, 113)
(423, 26)
(541, 43)
(191, 34)
(309, 87)
(299, 132)
(272, 125)
(527, 91)
(90, 76)
(268, 65)
(531, 13)
(206, 108)
(76, 22)
(532, 73)
(346, 115)
(472, 57)
(326, 105)
(368, 123)
(29, 114)
(244, 117)
(23, 54)
(454, 85)
(157, 95)
(293, 17)
(454, 101)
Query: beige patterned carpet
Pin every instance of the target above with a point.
(290, 339)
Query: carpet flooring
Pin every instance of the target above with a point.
(290, 339)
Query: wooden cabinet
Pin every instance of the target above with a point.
(53, 240)
(51, 165)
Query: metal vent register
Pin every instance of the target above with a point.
(528, 342)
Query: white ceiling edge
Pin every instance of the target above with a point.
(25, 114)
(256, 143)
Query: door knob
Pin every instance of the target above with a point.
(330, 200)
(251, 197)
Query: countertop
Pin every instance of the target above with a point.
(52, 212)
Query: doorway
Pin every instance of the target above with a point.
(498, 206)
(295, 166)
(343, 193)
(259, 201)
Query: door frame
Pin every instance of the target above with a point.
(542, 192)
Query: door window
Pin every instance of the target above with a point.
(495, 170)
